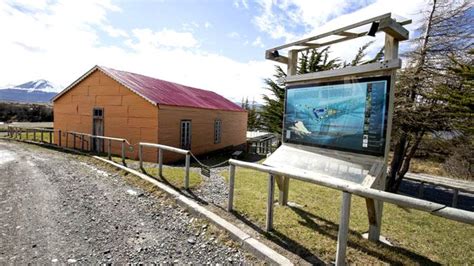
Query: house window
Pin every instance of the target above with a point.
(186, 134)
(98, 112)
(217, 131)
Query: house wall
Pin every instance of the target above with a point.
(126, 115)
(234, 128)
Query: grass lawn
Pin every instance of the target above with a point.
(30, 136)
(419, 238)
(173, 176)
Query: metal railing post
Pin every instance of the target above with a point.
(109, 149)
(343, 228)
(186, 176)
(160, 162)
(271, 193)
(59, 137)
(140, 155)
(123, 152)
(20, 132)
(26, 134)
(34, 134)
(67, 139)
(42, 140)
(82, 142)
(50, 137)
(230, 200)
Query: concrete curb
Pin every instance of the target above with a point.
(248, 242)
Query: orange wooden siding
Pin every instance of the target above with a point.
(233, 128)
(126, 115)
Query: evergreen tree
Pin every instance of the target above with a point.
(423, 101)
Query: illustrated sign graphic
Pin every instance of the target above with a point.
(345, 115)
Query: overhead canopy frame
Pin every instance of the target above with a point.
(383, 23)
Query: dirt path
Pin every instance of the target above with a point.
(58, 207)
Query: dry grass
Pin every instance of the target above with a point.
(173, 176)
(311, 229)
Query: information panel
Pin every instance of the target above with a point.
(345, 115)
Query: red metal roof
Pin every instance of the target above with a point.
(168, 93)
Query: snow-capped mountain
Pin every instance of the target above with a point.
(33, 91)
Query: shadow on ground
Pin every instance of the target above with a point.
(381, 251)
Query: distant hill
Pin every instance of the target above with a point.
(39, 91)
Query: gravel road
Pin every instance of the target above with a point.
(58, 208)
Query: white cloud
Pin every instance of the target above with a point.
(163, 38)
(258, 42)
(207, 25)
(233, 35)
(297, 19)
(60, 42)
(241, 4)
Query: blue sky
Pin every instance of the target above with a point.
(217, 45)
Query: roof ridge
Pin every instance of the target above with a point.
(162, 80)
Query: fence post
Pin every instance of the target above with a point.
(455, 198)
(82, 142)
(42, 140)
(26, 134)
(123, 152)
(34, 134)
(186, 176)
(21, 131)
(160, 162)
(230, 200)
(343, 228)
(50, 137)
(109, 148)
(74, 141)
(140, 155)
(271, 193)
(59, 137)
(67, 139)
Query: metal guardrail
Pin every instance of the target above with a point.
(160, 148)
(348, 189)
(91, 139)
(16, 132)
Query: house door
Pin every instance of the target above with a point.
(186, 134)
(98, 129)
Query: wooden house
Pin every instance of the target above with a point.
(120, 104)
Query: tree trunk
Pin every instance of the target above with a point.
(406, 162)
(397, 160)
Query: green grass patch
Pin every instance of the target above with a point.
(171, 175)
(419, 238)
(31, 136)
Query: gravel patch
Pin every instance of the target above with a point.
(62, 208)
(212, 190)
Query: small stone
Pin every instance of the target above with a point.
(71, 261)
(54, 260)
(192, 240)
(204, 226)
